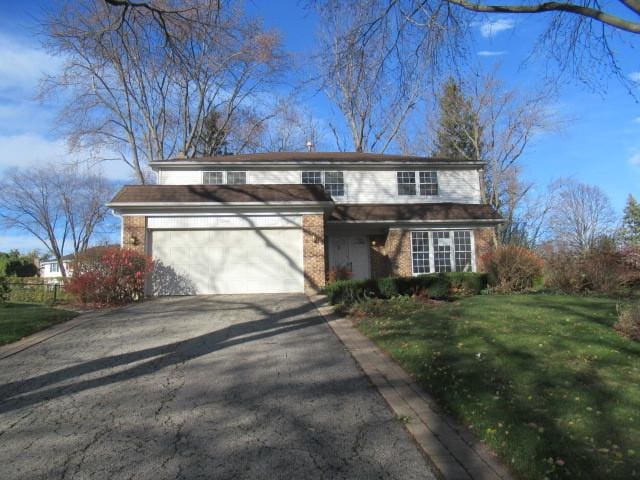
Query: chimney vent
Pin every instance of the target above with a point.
(310, 146)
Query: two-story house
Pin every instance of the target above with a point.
(278, 222)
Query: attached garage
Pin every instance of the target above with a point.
(226, 239)
(227, 261)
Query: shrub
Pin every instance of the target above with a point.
(628, 323)
(467, 283)
(4, 290)
(351, 291)
(512, 268)
(109, 276)
(339, 273)
(605, 268)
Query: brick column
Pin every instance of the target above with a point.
(398, 249)
(134, 233)
(313, 252)
(485, 242)
(380, 265)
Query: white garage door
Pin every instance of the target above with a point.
(227, 261)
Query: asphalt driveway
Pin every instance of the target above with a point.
(209, 387)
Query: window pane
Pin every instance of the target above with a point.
(462, 244)
(428, 183)
(212, 178)
(236, 178)
(442, 251)
(420, 251)
(406, 183)
(334, 183)
(312, 177)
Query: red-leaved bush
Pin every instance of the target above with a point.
(512, 268)
(109, 276)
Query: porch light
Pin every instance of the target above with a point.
(134, 240)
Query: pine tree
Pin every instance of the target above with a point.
(213, 137)
(459, 132)
(631, 221)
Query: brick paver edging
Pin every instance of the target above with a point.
(454, 453)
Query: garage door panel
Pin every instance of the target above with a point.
(230, 261)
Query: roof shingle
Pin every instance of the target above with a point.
(413, 212)
(220, 194)
(319, 157)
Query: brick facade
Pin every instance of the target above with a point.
(485, 242)
(313, 248)
(398, 250)
(134, 233)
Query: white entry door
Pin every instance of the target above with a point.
(227, 261)
(351, 252)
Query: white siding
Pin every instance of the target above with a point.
(361, 186)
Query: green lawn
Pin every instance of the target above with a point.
(543, 379)
(18, 320)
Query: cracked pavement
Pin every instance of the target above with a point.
(212, 387)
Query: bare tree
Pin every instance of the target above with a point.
(291, 128)
(580, 37)
(129, 91)
(374, 81)
(582, 215)
(55, 206)
(490, 123)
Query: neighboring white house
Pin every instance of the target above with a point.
(50, 270)
(278, 222)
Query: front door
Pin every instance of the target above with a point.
(351, 252)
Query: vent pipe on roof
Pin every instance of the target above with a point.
(310, 146)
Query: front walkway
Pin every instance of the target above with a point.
(451, 449)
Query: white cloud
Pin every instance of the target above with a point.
(491, 53)
(491, 28)
(29, 149)
(635, 76)
(22, 65)
(635, 159)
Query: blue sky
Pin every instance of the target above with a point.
(600, 143)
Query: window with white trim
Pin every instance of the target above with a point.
(406, 183)
(222, 178)
(213, 178)
(236, 178)
(333, 182)
(312, 178)
(426, 183)
(462, 247)
(441, 251)
(54, 268)
(420, 252)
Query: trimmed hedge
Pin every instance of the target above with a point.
(440, 287)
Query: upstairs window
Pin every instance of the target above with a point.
(333, 182)
(236, 178)
(406, 183)
(213, 178)
(218, 178)
(312, 178)
(426, 184)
